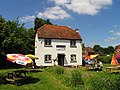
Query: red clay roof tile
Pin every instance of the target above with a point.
(89, 49)
(58, 32)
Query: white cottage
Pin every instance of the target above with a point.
(58, 45)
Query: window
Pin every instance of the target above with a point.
(48, 58)
(73, 58)
(72, 43)
(47, 42)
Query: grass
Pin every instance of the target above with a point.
(46, 82)
(49, 80)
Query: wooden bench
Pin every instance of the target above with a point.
(111, 68)
(89, 68)
(115, 71)
(118, 67)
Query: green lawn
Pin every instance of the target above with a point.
(52, 79)
(46, 82)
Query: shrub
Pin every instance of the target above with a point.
(105, 59)
(66, 79)
(117, 82)
(76, 79)
(105, 82)
(56, 70)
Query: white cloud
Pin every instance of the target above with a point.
(115, 26)
(60, 2)
(109, 39)
(54, 13)
(117, 33)
(115, 44)
(101, 2)
(111, 31)
(27, 18)
(90, 7)
(82, 7)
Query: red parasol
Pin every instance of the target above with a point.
(19, 59)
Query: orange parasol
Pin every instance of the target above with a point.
(114, 60)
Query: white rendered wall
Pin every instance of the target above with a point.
(40, 51)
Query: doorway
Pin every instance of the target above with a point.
(61, 58)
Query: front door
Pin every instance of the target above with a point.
(61, 59)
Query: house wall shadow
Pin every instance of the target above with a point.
(65, 61)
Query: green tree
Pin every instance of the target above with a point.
(101, 50)
(98, 49)
(116, 47)
(83, 45)
(40, 22)
(2, 35)
(111, 49)
(15, 38)
(108, 50)
(31, 40)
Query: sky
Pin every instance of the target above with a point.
(98, 21)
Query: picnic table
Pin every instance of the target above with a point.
(113, 69)
(89, 68)
(17, 77)
(118, 67)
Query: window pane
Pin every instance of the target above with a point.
(48, 59)
(72, 43)
(45, 42)
(73, 58)
(48, 42)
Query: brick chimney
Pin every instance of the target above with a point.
(77, 30)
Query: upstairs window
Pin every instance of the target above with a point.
(48, 58)
(73, 43)
(73, 58)
(48, 42)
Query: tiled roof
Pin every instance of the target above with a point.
(57, 32)
(89, 49)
